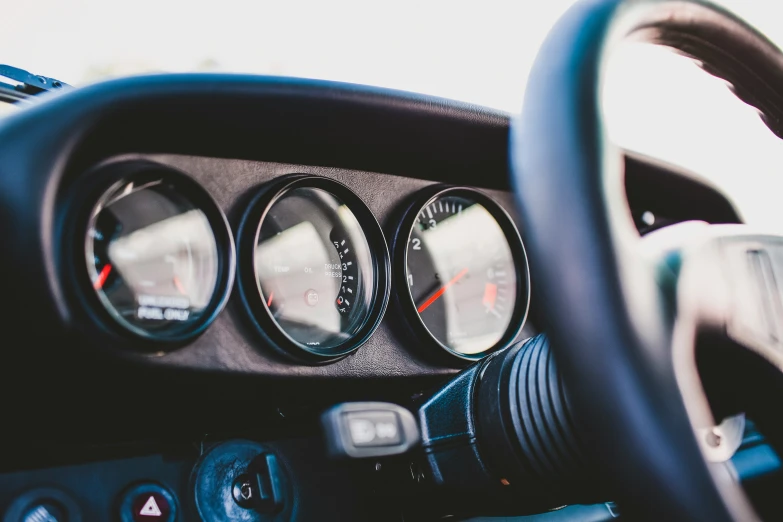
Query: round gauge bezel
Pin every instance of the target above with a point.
(115, 175)
(400, 251)
(249, 289)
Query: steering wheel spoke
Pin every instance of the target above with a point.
(723, 282)
(729, 281)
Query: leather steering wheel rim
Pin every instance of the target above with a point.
(610, 324)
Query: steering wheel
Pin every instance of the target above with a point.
(625, 319)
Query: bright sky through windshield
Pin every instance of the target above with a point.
(473, 51)
(477, 51)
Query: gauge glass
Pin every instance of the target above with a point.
(461, 274)
(314, 269)
(152, 258)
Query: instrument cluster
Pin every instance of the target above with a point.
(156, 260)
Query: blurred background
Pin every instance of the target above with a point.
(480, 51)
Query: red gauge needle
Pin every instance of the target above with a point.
(269, 301)
(178, 284)
(442, 290)
(104, 273)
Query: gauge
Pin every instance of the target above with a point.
(314, 267)
(153, 256)
(465, 270)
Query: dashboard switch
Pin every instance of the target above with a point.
(148, 502)
(369, 429)
(46, 512)
(373, 428)
(43, 505)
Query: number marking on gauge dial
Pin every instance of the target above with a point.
(347, 267)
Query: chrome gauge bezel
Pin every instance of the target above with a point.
(256, 307)
(113, 176)
(417, 204)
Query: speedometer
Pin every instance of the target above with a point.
(465, 270)
(314, 267)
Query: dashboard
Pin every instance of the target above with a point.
(289, 265)
(191, 260)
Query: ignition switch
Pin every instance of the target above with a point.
(243, 481)
(260, 488)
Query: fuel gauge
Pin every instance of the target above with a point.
(153, 258)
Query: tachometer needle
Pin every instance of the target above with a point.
(434, 297)
(269, 302)
(104, 273)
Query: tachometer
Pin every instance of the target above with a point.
(314, 267)
(465, 270)
(154, 259)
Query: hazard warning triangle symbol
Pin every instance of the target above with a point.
(150, 508)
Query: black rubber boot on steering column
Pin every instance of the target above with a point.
(524, 427)
(504, 427)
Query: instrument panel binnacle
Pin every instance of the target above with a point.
(266, 266)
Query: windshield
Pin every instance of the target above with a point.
(479, 52)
